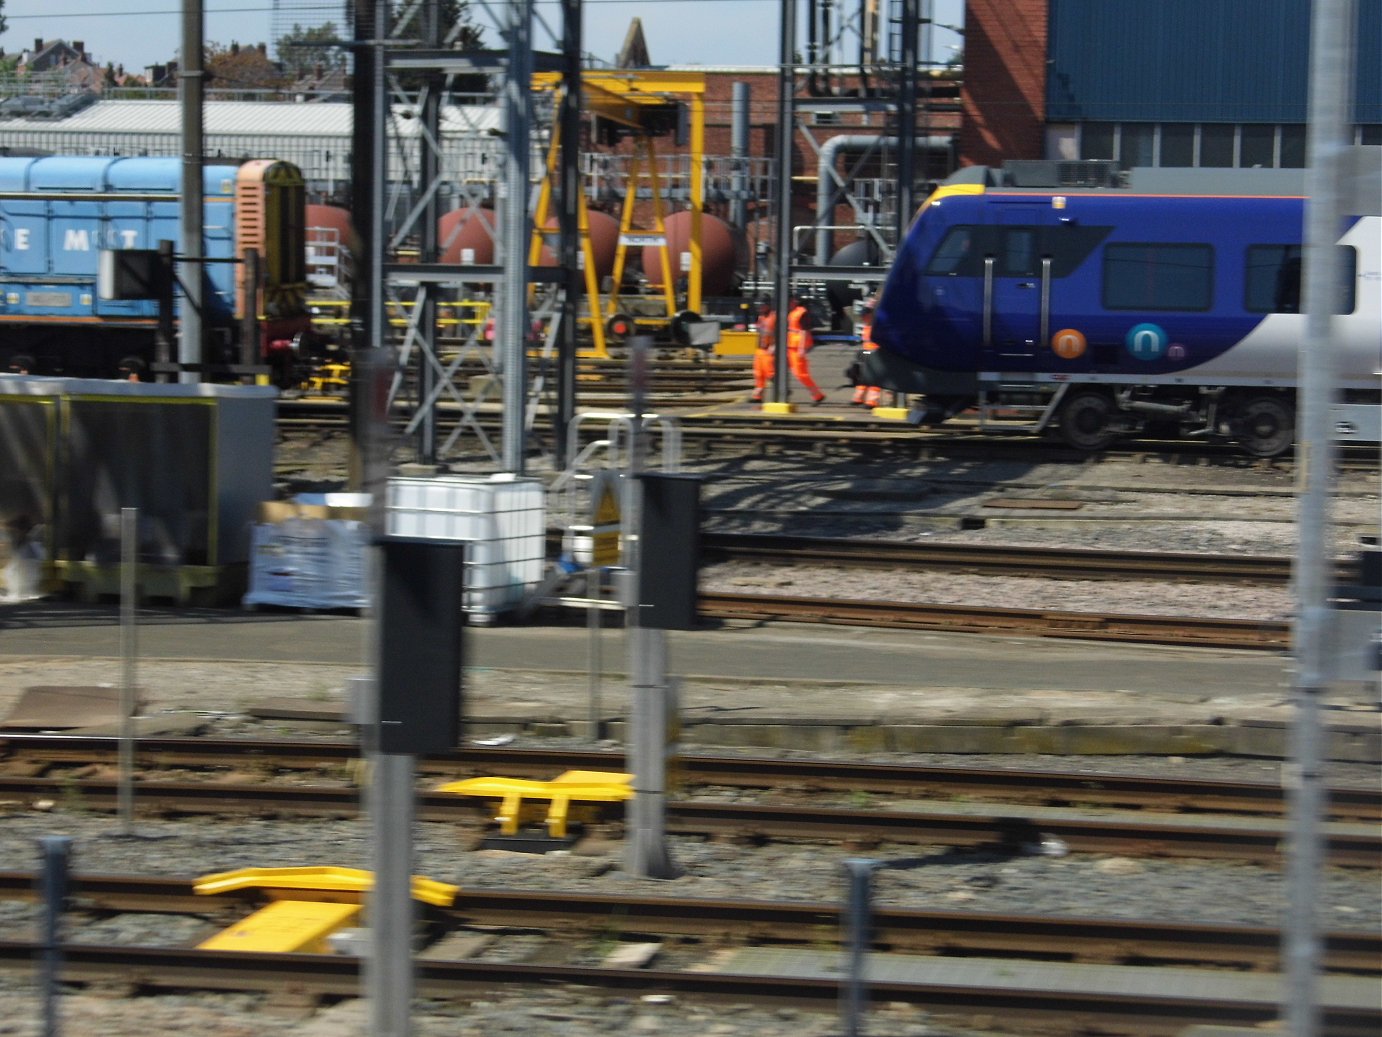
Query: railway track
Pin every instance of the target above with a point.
(1057, 563)
(1047, 973)
(575, 915)
(1066, 975)
(1083, 1005)
(815, 553)
(706, 421)
(1004, 829)
(42, 754)
(1204, 632)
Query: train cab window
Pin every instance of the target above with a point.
(1273, 279)
(1016, 250)
(957, 254)
(1157, 276)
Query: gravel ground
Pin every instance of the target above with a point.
(927, 878)
(1248, 509)
(1116, 506)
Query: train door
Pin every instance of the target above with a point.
(1017, 290)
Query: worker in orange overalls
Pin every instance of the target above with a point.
(765, 356)
(867, 395)
(799, 343)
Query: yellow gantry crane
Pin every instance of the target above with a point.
(646, 105)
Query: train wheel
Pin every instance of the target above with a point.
(1086, 421)
(1265, 426)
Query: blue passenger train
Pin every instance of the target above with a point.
(58, 213)
(1172, 302)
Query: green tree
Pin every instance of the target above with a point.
(9, 76)
(240, 68)
(458, 32)
(2, 15)
(303, 49)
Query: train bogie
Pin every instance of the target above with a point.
(1113, 311)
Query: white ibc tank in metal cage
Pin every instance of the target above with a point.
(503, 518)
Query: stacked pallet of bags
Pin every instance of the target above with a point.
(310, 553)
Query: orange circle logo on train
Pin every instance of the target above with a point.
(1068, 344)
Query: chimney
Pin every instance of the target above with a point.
(80, 48)
(38, 44)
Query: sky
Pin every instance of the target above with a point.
(138, 33)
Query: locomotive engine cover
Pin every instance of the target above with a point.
(57, 214)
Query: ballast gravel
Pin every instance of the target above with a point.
(1035, 879)
(1152, 506)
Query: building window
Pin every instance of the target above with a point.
(1293, 147)
(1158, 276)
(1258, 146)
(1136, 145)
(1208, 145)
(1096, 140)
(1216, 145)
(1178, 144)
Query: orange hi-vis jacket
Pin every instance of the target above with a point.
(764, 357)
(798, 336)
(868, 395)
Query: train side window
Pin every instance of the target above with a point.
(1158, 276)
(956, 253)
(1273, 281)
(1070, 244)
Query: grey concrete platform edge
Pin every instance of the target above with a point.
(1354, 737)
(752, 685)
(979, 738)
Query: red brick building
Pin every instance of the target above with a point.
(1004, 87)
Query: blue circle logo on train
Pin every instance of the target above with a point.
(1146, 341)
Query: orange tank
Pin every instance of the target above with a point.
(466, 236)
(717, 253)
(331, 223)
(604, 241)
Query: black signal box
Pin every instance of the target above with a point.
(421, 624)
(669, 551)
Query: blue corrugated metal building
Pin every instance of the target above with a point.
(1220, 83)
